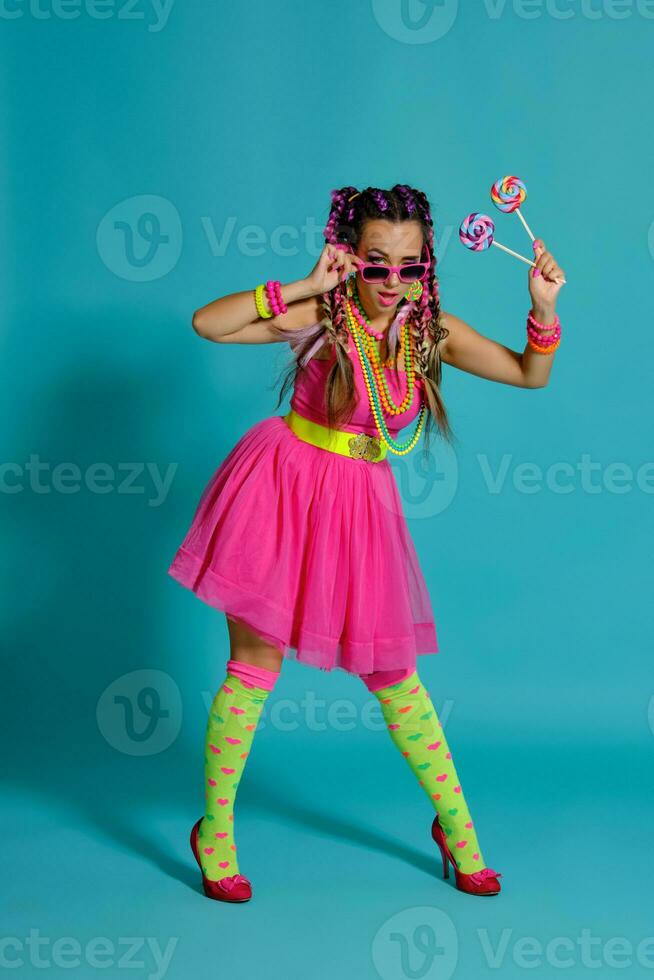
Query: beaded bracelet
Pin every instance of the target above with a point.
(538, 340)
(543, 326)
(258, 299)
(544, 350)
(274, 293)
(539, 337)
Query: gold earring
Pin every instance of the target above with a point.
(414, 291)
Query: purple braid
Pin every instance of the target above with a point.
(380, 200)
(408, 198)
(340, 205)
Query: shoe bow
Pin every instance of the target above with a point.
(231, 881)
(479, 876)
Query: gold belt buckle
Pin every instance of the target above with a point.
(364, 446)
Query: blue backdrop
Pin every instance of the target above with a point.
(156, 156)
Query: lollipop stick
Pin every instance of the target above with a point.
(511, 252)
(527, 228)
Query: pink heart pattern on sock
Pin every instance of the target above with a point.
(417, 731)
(232, 721)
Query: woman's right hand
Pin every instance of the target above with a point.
(333, 266)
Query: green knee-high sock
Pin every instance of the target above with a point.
(416, 731)
(233, 719)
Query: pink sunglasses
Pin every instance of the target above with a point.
(410, 272)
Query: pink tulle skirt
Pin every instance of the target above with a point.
(311, 550)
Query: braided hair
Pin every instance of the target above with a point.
(350, 210)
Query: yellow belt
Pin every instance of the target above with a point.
(357, 445)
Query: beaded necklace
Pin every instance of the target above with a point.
(368, 337)
(375, 380)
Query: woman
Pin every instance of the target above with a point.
(300, 537)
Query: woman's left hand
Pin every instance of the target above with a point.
(544, 288)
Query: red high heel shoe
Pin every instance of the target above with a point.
(482, 882)
(233, 888)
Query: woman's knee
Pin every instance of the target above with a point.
(248, 647)
(379, 679)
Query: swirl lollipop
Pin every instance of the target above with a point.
(508, 194)
(477, 232)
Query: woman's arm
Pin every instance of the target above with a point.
(235, 319)
(470, 351)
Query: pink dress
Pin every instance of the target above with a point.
(310, 548)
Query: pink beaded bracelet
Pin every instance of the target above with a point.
(275, 299)
(538, 340)
(544, 326)
(544, 345)
(540, 337)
